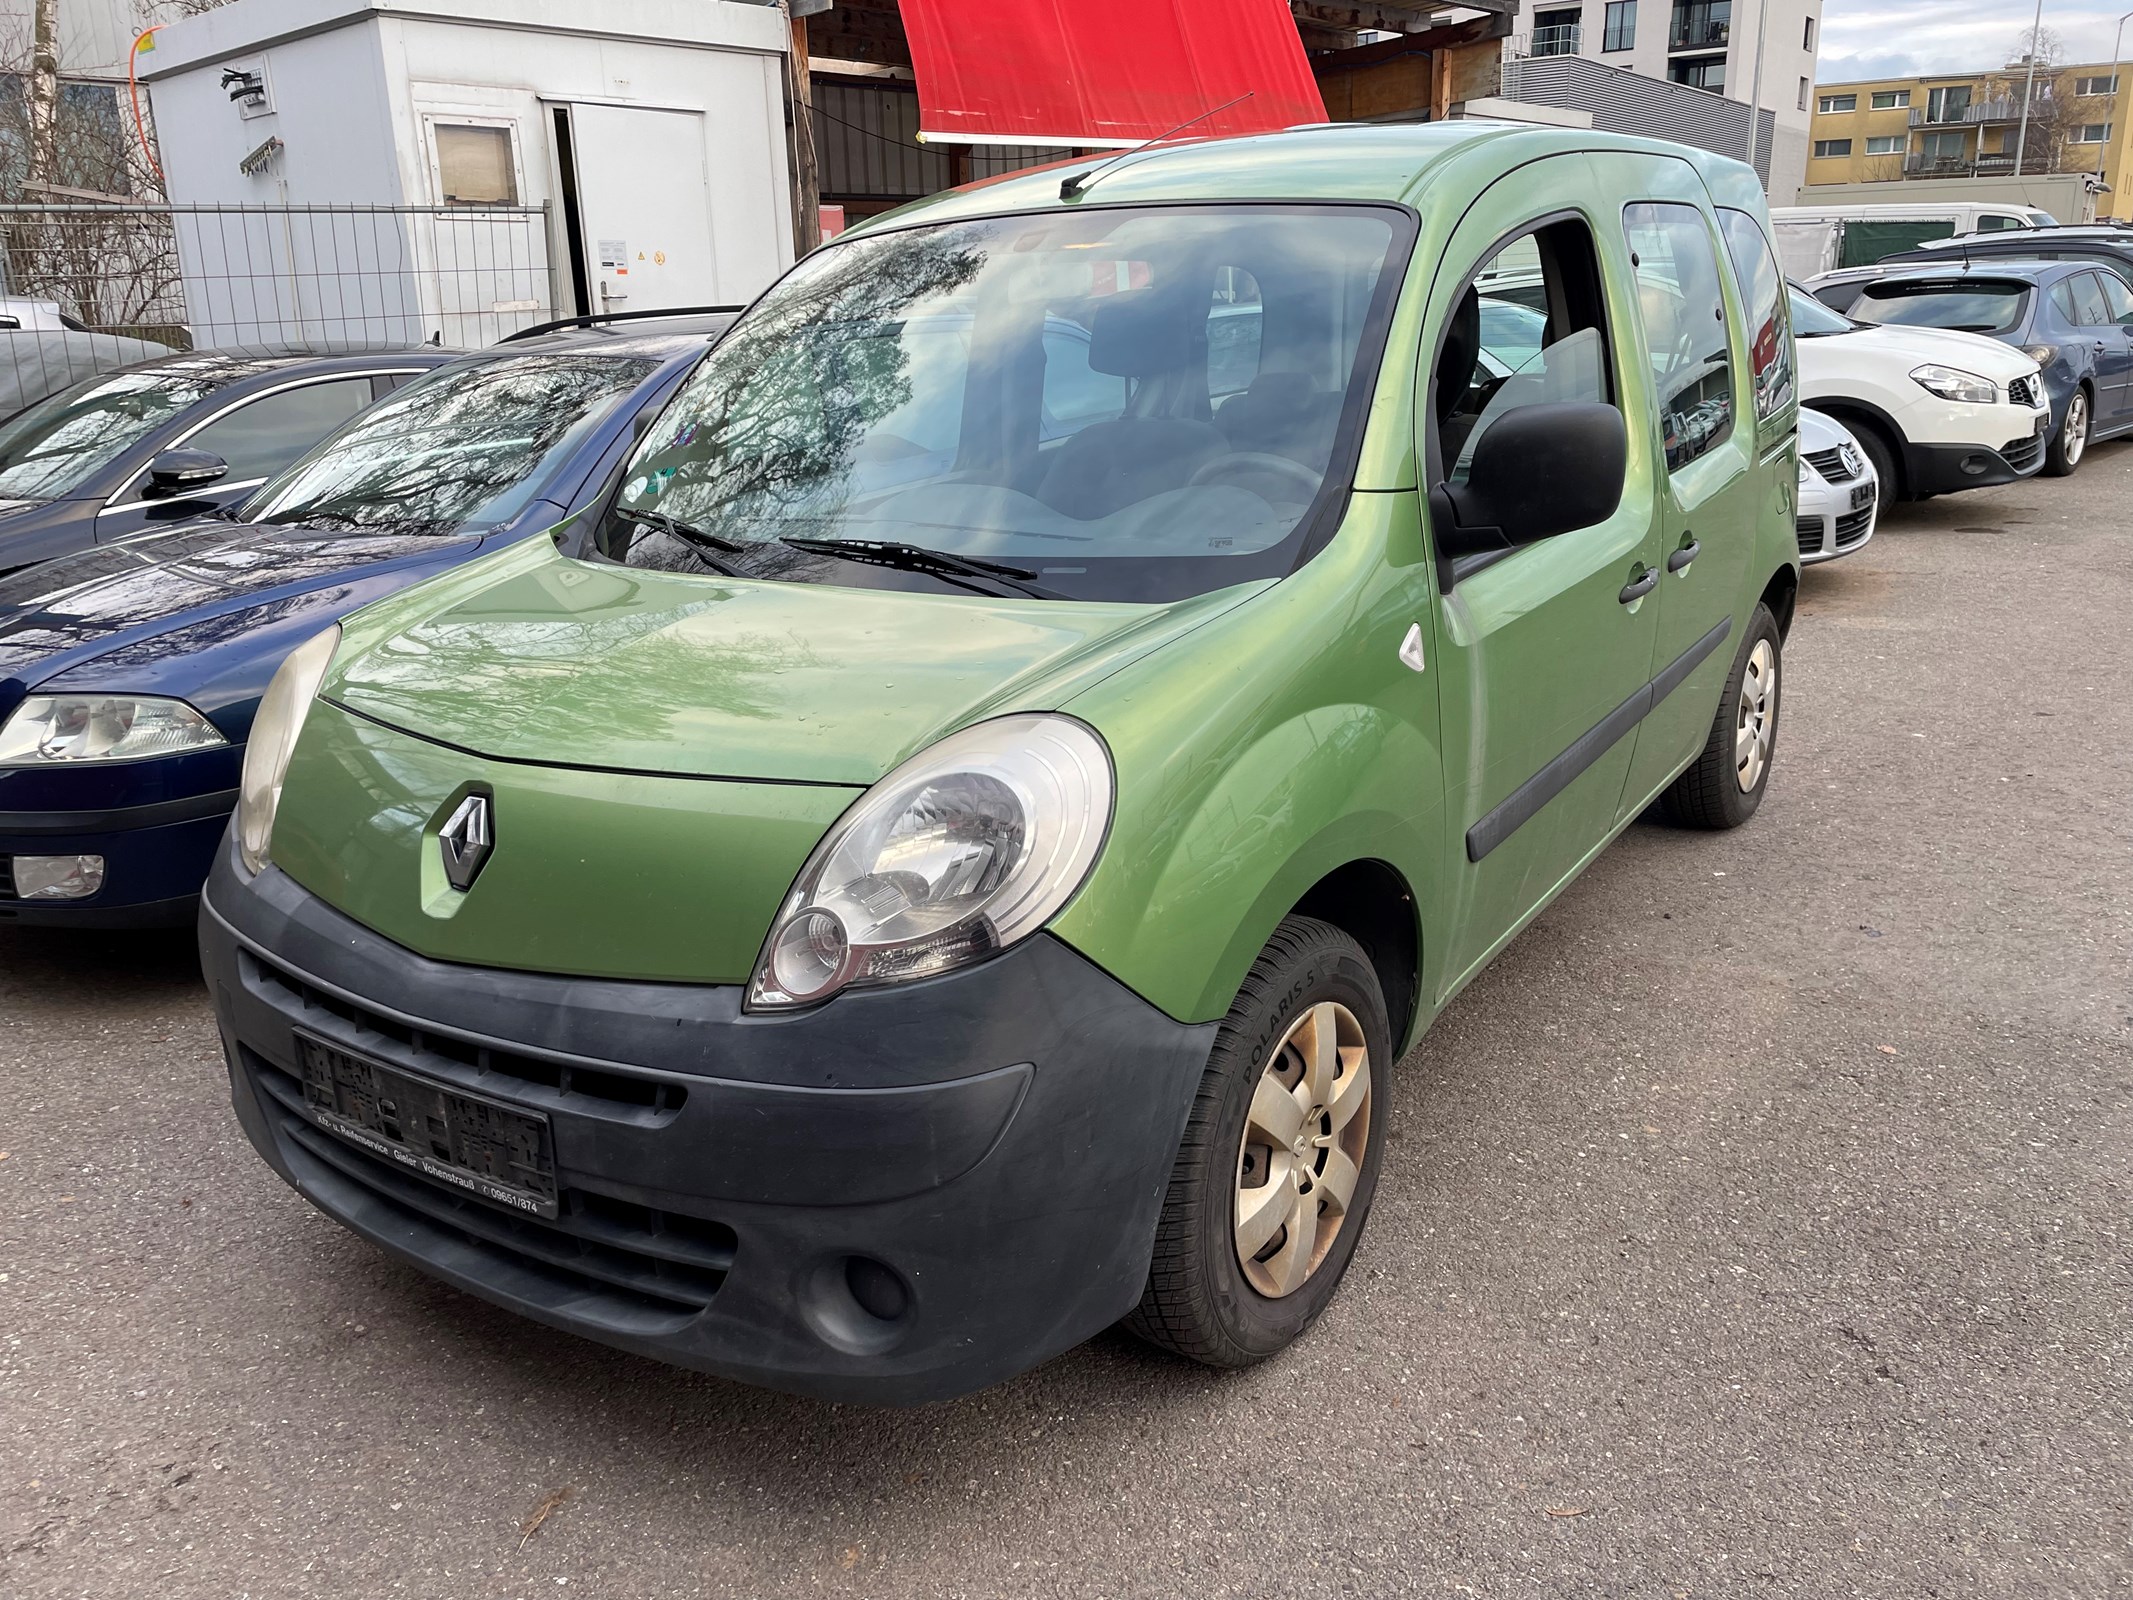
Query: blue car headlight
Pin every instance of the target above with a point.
(102, 727)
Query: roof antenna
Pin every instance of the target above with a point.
(1080, 182)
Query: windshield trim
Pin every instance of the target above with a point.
(578, 536)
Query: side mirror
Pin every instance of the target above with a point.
(175, 472)
(1536, 472)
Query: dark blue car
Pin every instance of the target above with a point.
(2073, 318)
(129, 674)
(162, 442)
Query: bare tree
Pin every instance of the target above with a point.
(2053, 118)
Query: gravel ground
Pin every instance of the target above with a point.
(1758, 1225)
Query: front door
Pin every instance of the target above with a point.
(643, 208)
(1705, 423)
(1542, 654)
(2113, 338)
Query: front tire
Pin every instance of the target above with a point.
(1888, 488)
(1725, 784)
(1279, 1162)
(2071, 442)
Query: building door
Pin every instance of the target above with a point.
(636, 208)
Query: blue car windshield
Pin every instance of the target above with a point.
(55, 446)
(1116, 403)
(463, 449)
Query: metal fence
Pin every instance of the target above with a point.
(101, 285)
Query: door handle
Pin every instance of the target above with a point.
(1638, 587)
(1680, 559)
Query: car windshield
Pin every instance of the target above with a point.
(1966, 307)
(462, 450)
(58, 444)
(1121, 403)
(1810, 318)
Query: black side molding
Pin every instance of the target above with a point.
(1524, 802)
(159, 815)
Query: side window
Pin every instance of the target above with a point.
(1683, 311)
(262, 436)
(1530, 330)
(1075, 393)
(2063, 301)
(1762, 291)
(2117, 298)
(1236, 320)
(2090, 310)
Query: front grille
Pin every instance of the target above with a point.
(1830, 463)
(1810, 532)
(2022, 392)
(2022, 454)
(603, 1258)
(558, 1085)
(1853, 526)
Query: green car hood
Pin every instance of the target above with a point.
(557, 662)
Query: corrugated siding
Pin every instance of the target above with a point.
(866, 140)
(1629, 102)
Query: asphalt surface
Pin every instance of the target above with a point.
(1758, 1225)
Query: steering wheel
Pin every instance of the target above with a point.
(1244, 463)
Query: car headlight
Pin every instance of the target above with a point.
(280, 719)
(102, 727)
(2042, 354)
(1952, 383)
(951, 858)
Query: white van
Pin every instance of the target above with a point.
(1812, 239)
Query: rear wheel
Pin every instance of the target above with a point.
(1725, 784)
(2071, 442)
(1280, 1157)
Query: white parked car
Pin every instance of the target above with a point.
(1933, 410)
(1837, 503)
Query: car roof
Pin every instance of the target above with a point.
(234, 365)
(1350, 161)
(658, 335)
(2014, 267)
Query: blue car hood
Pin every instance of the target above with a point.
(205, 611)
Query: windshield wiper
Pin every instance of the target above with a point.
(697, 539)
(992, 576)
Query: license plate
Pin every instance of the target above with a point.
(1862, 495)
(502, 1154)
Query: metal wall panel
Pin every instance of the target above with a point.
(1629, 102)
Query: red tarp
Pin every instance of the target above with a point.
(1105, 72)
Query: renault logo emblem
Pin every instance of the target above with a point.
(466, 839)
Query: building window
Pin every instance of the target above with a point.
(1805, 86)
(1944, 148)
(1890, 99)
(2097, 85)
(2090, 133)
(474, 164)
(1838, 102)
(1889, 144)
(1807, 42)
(1950, 103)
(1701, 24)
(1825, 148)
(1556, 33)
(1709, 73)
(1621, 32)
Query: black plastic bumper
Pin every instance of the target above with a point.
(1945, 468)
(997, 1140)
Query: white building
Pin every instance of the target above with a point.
(545, 157)
(1714, 45)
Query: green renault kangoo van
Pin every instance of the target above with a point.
(946, 855)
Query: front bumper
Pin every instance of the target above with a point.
(1828, 524)
(999, 1140)
(156, 857)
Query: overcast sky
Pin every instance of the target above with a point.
(1897, 38)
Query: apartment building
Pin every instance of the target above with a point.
(1968, 125)
(1713, 45)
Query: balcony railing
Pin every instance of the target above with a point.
(1968, 114)
(1698, 33)
(1916, 165)
(1564, 39)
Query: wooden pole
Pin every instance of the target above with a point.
(806, 175)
